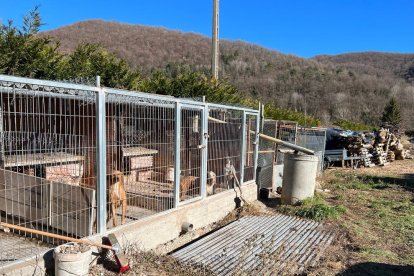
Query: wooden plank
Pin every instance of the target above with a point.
(40, 159)
(138, 151)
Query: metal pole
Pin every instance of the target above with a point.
(177, 163)
(286, 144)
(100, 160)
(243, 147)
(256, 144)
(215, 40)
(2, 141)
(262, 117)
(323, 152)
(98, 81)
(296, 133)
(204, 153)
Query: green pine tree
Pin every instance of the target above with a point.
(392, 114)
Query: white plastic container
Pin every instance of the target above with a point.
(68, 263)
(299, 177)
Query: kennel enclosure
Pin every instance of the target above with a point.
(61, 143)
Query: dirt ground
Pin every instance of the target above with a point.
(375, 227)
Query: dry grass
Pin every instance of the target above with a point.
(374, 231)
(248, 209)
(378, 225)
(154, 263)
(148, 263)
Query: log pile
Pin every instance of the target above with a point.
(366, 158)
(380, 156)
(379, 148)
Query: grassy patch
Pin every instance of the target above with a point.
(356, 182)
(379, 216)
(315, 208)
(320, 212)
(374, 253)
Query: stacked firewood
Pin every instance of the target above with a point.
(366, 158)
(379, 156)
(393, 144)
(379, 148)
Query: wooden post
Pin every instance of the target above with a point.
(55, 236)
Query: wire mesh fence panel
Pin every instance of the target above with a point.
(46, 182)
(249, 166)
(139, 157)
(224, 144)
(314, 139)
(51, 158)
(191, 135)
(267, 154)
(286, 131)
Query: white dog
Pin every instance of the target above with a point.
(211, 181)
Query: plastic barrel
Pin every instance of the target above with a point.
(72, 263)
(299, 177)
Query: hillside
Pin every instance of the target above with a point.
(348, 86)
(384, 64)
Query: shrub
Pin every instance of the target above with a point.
(345, 124)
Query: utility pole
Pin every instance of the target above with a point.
(215, 41)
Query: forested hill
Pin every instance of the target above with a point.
(383, 64)
(352, 86)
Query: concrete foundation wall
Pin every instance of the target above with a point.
(150, 232)
(158, 229)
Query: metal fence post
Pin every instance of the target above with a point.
(100, 161)
(256, 145)
(296, 133)
(177, 163)
(243, 147)
(204, 154)
(323, 150)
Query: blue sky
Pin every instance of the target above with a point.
(301, 27)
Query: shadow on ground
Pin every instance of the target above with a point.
(272, 201)
(370, 268)
(406, 181)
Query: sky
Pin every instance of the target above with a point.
(301, 27)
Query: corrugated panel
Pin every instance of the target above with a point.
(264, 244)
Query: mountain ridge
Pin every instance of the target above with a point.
(353, 86)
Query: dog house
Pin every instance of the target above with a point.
(61, 145)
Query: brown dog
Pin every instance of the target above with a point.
(116, 194)
(186, 183)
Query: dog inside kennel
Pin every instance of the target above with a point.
(48, 159)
